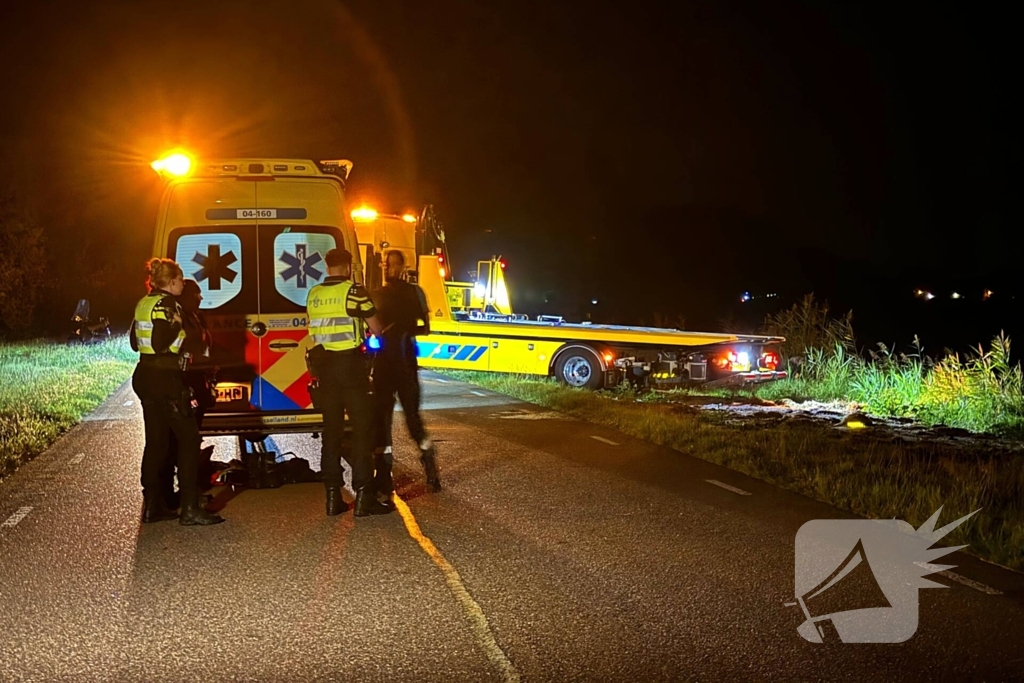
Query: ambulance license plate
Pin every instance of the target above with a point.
(230, 393)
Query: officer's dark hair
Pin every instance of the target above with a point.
(396, 254)
(338, 258)
(160, 272)
(191, 288)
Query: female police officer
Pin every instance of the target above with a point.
(157, 334)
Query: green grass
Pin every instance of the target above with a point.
(855, 471)
(46, 388)
(982, 393)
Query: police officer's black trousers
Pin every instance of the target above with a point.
(345, 388)
(167, 410)
(397, 376)
(197, 381)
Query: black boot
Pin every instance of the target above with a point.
(428, 458)
(155, 510)
(194, 514)
(383, 483)
(367, 503)
(385, 499)
(335, 503)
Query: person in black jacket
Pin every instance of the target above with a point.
(404, 314)
(197, 344)
(158, 335)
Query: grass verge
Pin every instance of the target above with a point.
(854, 471)
(46, 388)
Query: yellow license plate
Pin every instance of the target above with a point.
(230, 393)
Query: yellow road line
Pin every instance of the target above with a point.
(477, 619)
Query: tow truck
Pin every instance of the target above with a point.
(473, 326)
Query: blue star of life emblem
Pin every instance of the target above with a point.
(301, 266)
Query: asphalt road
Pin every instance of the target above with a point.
(558, 551)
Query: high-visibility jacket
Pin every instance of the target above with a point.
(330, 323)
(146, 313)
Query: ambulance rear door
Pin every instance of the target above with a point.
(298, 221)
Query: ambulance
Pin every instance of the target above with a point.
(253, 234)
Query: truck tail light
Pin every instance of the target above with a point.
(770, 360)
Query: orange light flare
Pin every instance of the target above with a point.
(409, 218)
(177, 164)
(364, 214)
(608, 356)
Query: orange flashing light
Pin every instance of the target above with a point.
(409, 218)
(176, 164)
(364, 213)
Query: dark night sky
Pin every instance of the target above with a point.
(656, 156)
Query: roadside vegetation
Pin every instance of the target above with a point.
(46, 388)
(982, 392)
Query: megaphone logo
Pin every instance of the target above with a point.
(857, 580)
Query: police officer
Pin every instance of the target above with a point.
(404, 314)
(157, 334)
(337, 310)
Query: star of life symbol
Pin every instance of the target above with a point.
(214, 266)
(857, 580)
(300, 266)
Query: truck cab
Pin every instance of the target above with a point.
(253, 234)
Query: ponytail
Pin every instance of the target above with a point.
(160, 272)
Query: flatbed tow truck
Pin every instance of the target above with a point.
(473, 327)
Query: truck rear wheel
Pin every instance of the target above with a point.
(579, 367)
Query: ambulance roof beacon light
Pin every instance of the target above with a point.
(364, 213)
(409, 218)
(176, 164)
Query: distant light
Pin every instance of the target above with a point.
(956, 295)
(988, 294)
(593, 301)
(745, 296)
(364, 213)
(409, 218)
(929, 296)
(177, 164)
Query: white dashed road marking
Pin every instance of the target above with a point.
(604, 440)
(128, 403)
(442, 381)
(19, 515)
(78, 458)
(478, 393)
(970, 583)
(729, 488)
